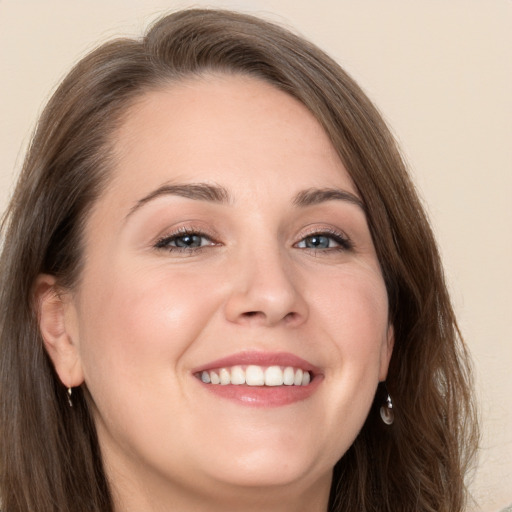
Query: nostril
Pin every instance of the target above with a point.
(290, 317)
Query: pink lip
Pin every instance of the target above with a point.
(262, 396)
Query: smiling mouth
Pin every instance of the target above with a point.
(257, 376)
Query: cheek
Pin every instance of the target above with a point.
(353, 305)
(137, 323)
(352, 314)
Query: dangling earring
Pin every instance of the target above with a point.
(386, 411)
(70, 402)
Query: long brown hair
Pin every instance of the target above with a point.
(49, 453)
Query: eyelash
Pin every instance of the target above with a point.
(344, 243)
(341, 239)
(164, 242)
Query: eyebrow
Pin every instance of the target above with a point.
(197, 191)
(313, 196)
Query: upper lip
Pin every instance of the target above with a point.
(260, 359)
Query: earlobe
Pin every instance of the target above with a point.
(53, 310)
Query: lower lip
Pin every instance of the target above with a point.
(263, 396)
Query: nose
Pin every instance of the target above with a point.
(265, 291)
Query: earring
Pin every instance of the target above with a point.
(70, 402)
(386, 411)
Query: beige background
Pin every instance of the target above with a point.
(440, 71)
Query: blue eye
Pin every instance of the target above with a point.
(322, 241)
(188, 241)
(183, 241)
(316, 242)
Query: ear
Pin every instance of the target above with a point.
(386, 352)
(56, 314)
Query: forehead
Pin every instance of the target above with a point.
(234, 130)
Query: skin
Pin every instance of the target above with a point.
(143, 317)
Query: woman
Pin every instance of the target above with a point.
(220, 291)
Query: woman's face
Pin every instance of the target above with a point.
(231, 244)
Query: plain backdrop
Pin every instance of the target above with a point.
(441, 73)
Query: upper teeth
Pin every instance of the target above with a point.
(257, 376)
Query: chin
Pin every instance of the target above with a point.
(272, 464)
(265, 474)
